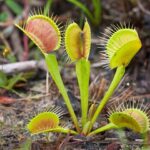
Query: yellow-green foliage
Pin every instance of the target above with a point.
(78, 41)
(122, 46)
(135, 119)
(43, 122)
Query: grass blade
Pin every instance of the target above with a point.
(83, 8)
(97, 11)
(15, 7)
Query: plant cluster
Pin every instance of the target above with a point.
(121, 45)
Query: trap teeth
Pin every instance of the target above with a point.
(133, 118)
(121, 45)
(43, 122)
(43, 31)
(78, 41)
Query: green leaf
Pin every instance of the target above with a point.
(12, 81)
(48, 7)
(83, 76)
(15, 7)
(26, 145)
(115, 82)
(106, 127)
(3, 16)
(11, 58)
(95, 16)
(53, 68)
(83, 8)
(3, 79)
(97, 10)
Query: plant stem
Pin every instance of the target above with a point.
(63, 130)
(86, 128)
(116, 80)
(102, 129)
(53, 68)
(83, 76)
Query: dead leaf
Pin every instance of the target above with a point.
(6, 100)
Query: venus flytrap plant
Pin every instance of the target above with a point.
(45, 33)
(121, 45)
(77, 42)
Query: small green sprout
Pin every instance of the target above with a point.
(121, 45)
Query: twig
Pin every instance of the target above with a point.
(47, 82)
(142, 8)
(26, 48)
(64, 142)
(4, 40)
(137, 97)
(23, 66)
(33, 97)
